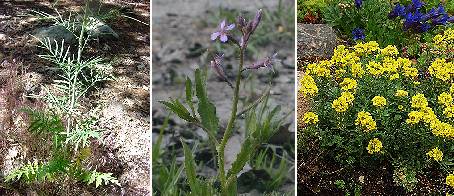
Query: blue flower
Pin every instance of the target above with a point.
(398, 10)
(358, 34)
(358, 3)
(415, 5)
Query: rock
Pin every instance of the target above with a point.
(57, 33)
(14, 159)
(315, 40)
(2, 37)
(101, 30)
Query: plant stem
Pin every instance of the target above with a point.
(229, 130)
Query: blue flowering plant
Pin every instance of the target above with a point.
(417, 18)
(261, 121)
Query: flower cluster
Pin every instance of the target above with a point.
(415, 20)
(401, 93)
(378, 101)
(436, 154)
(310, 118)
(366, 121)
(308, 86)
(450, 180)
(341, 104)
(442, 70)
(349, 84)
(374, 146)
(445, 40)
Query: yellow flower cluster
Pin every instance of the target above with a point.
(390, 51)
(378, 101)
(374, 146)
(366, 48)
(445, 99)
(366, 121)
(320, 69)
(450, 180)
(446, 40)
(401, 93)
(436, 154)
(414, 117)
(392, 67)
(310, 118)
(349, 84)
(419, 101)
(341, 104)
(342, 57)
(308, 86)
(441, 69)
(449, 111)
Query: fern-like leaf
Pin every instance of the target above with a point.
(98, 178)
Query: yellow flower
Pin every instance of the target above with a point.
(310, 118)
(375, 68)
(366, 121)
(374, 146)
(348, 84)
(400, 107)
(357, 70)
(379, 101)
(410, 72)
(419, 101)
(414, 117)
(450, 180)
(428, 115)
(390, 51)
(401, 93)
(441, 69)
(451, 89)
(445, 99)
(438, 39)
(341, 104)
(308, 86)
(394, 76)
(366, 48)
(449, 111)
(436, 154)
(416, 83)
(442, 129)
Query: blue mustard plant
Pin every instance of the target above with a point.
(260, 128)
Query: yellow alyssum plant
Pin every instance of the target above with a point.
(398, 109)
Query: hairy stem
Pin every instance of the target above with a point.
(229, 130)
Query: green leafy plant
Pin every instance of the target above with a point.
(63, 121)
(397, 109)
(261, 122)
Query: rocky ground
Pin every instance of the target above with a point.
(181, 39)
(121, 105)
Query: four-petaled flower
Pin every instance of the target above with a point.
(222, 32)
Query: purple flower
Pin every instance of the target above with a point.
(216, 64)
(222, 32)
(268, 62)
(358, 3)
(358, 34)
